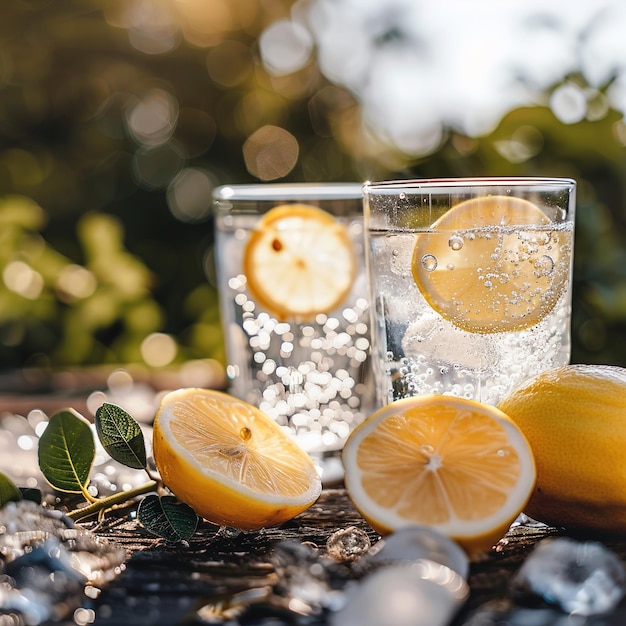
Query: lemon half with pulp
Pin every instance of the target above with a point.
(458, 466)
(229, 461)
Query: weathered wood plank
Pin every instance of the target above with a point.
(166, 584)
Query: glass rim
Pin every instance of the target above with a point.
(469, 182)
(270, 192)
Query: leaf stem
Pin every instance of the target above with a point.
(102, 504)
(87, 495)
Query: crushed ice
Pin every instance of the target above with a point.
(395, 582)
(47, 563)
(418, 577)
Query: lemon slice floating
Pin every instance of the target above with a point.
(492, 264)
(299, 261)
(229, 461)
(458, 466)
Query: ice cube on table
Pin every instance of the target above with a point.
(420, 542)
(583, 578)
(422, 593)
(348, 544)
(309, 580)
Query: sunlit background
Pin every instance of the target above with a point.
(119, 117)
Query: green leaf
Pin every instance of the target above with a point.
(67, 451)
(121, 436)
(31, 494)
(8, 490)
(167, 517)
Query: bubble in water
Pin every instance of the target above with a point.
(456, 242)
(402, 196)
(544, 265)
(429, 262)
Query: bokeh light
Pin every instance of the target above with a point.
(152, 119)
(75, 282)
(158, 349)
(189, 195)
(23, 279)
(270, 153)
(118, 122)
(285, 47)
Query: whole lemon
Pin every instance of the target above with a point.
(574, 418)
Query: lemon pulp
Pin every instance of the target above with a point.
(458, 466)
(229, 461)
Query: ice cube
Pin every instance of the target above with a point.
(423, 593)
(310, 581)
(441, 342)
(420, 542)
(348, 544)
(41, 584)
(584, 578)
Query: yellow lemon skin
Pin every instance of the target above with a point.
(574, 418)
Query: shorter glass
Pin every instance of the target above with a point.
(294, 305)
(470, 282)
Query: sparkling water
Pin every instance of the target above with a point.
(419, 351)
(310, 376)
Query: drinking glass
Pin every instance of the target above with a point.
(294, 305)
(470, 283)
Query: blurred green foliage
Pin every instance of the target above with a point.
(108, 109)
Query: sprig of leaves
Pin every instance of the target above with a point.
(66, 454)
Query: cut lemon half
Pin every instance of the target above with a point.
(299, 261)
(229, 461)
(458, 466)
(493, 264)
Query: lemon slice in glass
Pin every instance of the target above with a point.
(299, 261)
(492, 264)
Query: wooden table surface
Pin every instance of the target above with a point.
(165, 584)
